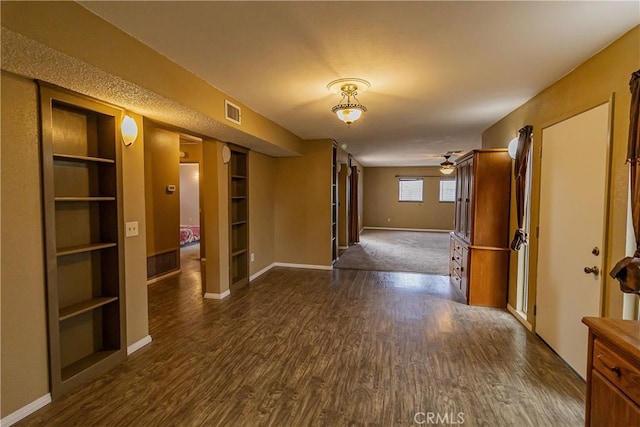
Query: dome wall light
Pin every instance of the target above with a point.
(129, 130)
(349, 110)
(513, 147)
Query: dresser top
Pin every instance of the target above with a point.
(625, 334)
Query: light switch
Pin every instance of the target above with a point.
(131, 229)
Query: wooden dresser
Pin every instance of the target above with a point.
(613, 372)
(480, 242)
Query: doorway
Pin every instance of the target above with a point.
(191, 230)
(573, 197)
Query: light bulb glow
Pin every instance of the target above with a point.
(129, 130)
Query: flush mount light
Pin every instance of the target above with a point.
(513, 147)
(349, 110)
(447, 167)
(129, 130)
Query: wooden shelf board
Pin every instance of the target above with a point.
(84, 306)
(238, 223)
(85, 199)
(238, 252)
(75, 158)
(83, 248)
(238, 177)
(75, 368)
(238, 197)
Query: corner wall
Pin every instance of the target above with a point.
(589, 85)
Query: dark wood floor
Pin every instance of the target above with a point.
(334, 348)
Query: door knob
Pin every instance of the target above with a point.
(595, 270)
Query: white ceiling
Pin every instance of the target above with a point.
(440, 72)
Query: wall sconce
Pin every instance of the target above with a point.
(129, 130)
(513, 147)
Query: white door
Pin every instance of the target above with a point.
(572, 207)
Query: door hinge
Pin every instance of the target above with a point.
(535, 310)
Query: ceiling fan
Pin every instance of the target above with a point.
(447, 167)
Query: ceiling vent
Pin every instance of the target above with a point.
(232, 112)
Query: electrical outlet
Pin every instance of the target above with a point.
(253, 257)
(131, 229)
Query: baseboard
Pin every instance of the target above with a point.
(307, 266)
(343, 247)
(519, 318)
(138, 345)
(223, 295)
(261, 272)
(430, 230)
(163, 277)
(25, 411)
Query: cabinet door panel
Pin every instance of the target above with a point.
(609, 406)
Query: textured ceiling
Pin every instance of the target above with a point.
(440, 72)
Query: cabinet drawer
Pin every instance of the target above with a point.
(616, 369)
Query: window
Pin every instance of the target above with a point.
(410, 190)
(447, 190)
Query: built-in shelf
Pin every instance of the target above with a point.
(83, 248)
(84, 306)
(84, 199)
(85, 363)
(234, 224)
(83, 226)
(69, 157)
(238, 252)
(238, 197)
(238, 177)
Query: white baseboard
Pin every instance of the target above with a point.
(261, 272)
(307, 266)
(519, 317)
(343, 247)
(138, 344)
(223, 295)
(25, 411)
(431, 230)
(164, 276)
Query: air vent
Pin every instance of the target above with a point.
(232, 112)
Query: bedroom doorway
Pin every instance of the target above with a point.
(191, 227)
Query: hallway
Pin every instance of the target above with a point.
(345, 347)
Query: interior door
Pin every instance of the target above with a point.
(572, 208)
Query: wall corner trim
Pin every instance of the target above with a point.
(25, 411)
(223, 295)
(307, 266)
(261, 272)
(138, 344)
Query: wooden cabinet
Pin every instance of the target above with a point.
(239, 218)
(83, 236)
(480, 240)
(613, 373)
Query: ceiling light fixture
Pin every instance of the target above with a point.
(349, 111)
(447, 167)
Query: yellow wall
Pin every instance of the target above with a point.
(71, 29)
(382, 208)
(303, 206)
(24, 362)
(262, 175)
(161, 168)
(589, 85)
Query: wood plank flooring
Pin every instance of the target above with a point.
(327, 348)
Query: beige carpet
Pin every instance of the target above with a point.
(407, 251)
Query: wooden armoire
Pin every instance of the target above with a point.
(480, 242)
